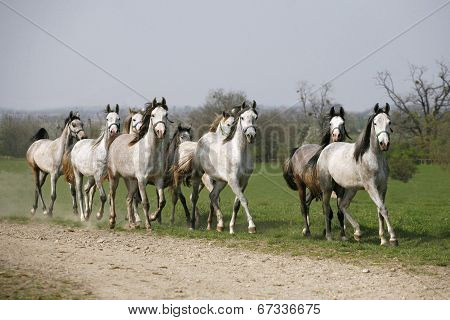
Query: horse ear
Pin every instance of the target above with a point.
(224, 114)
(332, 112)
(342, 112)
(376, 108)
(254, 105)
(243, 105)
(179, 126)
(129, 110)
(387, 108)
(108, 108)
(70, 115)
(163, 101)
(154, 102)
(117, 108)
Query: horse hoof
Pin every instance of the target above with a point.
(219, 228)
(112, 224)
(383, 242)
(133, 226)
(208, 227)
(329, 238)
(344, 238)
(306, 233)
(252, 230)
(191, 229)
(357, 237)
(394, 242)
(99, 215)
(75, 212)
(33, 211)
(231, 231)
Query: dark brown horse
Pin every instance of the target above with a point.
(299, 175)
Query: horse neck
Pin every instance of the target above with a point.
(62, 142)
(239, 139)
(374, 143)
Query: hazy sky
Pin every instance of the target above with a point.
(182, 49)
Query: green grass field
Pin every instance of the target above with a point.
(419, 211)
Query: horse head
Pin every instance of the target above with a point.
(247, 118)
(75, 125)
(113, 119)
(337, 125)
(382, 126)
(184, 133)
(158, 117)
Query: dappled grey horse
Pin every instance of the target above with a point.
(300, 175)
(349, 167)
(45, 156)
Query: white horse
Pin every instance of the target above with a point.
(139, 158)
(227, 161)
(45, 156)
(88, 159)
(349, 167)
(182, 163)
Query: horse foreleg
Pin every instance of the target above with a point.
(174, 203)
(161, 200)
(240, 195)
(343, 204)
(145, 204)
(378, 199)
(214, 200)
(132, 188)
(103, 197)
(185, 207)
(113, 183)
(194, 199)
(89, 190)
(80, 194)
(136, 200)
(36, 190)
(42, 177)
(53, 180)
(326, 212)
(73, 193)
(236, 207)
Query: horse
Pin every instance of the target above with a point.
(133, 121)
(349, 167)
(227, 161)
(182, 164)
(299, 175)
(45, 156)
(137, 158)
(88, 159)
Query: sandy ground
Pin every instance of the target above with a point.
(126, 265)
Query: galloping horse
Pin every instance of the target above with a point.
(45, 156)
(139, 158)
(299, 175)
(227, 161)
(88, 159)
(349, 167)
(182, 163)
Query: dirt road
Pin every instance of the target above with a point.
(126, 265)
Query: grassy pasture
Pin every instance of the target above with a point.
(419, 210)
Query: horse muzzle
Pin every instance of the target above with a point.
(336, 135)
(160, 129)
(114, 129)
(81, 135)
(250, 134)
(384, 146)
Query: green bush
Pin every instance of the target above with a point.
(402, 164)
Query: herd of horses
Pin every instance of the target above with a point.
(151, 150)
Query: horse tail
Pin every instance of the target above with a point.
(68, 168)
(182, 170)
(287, 172)
(40, 134)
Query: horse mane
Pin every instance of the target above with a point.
(236, 120)
(72, 116)
(149, 107)
(363, 141)
(40, 134)
(100, 137)
(215, 124)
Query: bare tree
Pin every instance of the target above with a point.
(425, 105)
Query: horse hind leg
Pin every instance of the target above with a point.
(326, 194)
(174, 203)
(113, 183)
(236, 207)
(304, 208)
(214, 200)
(343, 204)
(184, 203)
(238, 191)
(103, 198)
(89, 190)
(73, 193)
(132, 188)
(36, 173)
